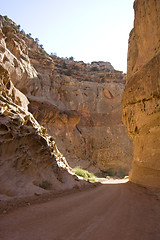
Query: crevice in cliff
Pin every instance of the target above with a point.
(79, 130)
(143, 101)
(84, 140)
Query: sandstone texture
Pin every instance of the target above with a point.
(83, 114)
(141, 101)
(79, 104)
(30, 162)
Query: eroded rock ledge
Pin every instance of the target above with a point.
(141, 101)
(29, 157)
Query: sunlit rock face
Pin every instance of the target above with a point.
(141, 101)
(85, 118)
(79, 104)
(29, 157)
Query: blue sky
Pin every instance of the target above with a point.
(88, 30)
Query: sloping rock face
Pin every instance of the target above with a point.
(29, 158)
(78, 103)
(84, 116)
(141, 101)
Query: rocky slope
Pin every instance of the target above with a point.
(29, 159)
(78, 103)
(141, 101)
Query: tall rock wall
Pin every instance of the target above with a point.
(83, 115)
(78, 103)
(30, 161)
(141, 101)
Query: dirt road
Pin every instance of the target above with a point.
(107, 212)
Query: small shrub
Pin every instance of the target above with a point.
(119, 173)
(108, 177)
(23, 32)
(29, 35)
(53, 54)
(16, 27)
(84, 173)
(71, 58)
(45, 184)
(5, 17)
(37, 40)
(41, 46)
(92, 179)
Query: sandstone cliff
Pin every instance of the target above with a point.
(29, 159)
(141, 101)
(78, 103)
(83, 113)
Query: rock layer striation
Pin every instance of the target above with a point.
(30, 162)
(141, 101)
(79, 104)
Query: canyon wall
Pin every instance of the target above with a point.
(79, 104)
(141, 101)
(83, 113)
(29, 158)
(30, 161)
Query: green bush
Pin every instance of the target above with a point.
(5, 17)
(84, 173)
(23, 32)
(71, 58)
(41, 46)
(108, 177)
(37, 40)
(126, 177)
(53, 54)
(119, 173)
(29, 35)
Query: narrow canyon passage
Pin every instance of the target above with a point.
(110, 211)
